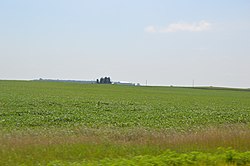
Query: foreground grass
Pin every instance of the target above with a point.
(137, 146)
(220, 157)
(105, 155)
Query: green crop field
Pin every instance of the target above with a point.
(49, 123)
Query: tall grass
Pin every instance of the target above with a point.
(96, 144)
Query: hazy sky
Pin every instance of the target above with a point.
(167, 42)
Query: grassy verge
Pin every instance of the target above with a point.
(91, 146)
(220, 157)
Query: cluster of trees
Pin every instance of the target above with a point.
(105, 80)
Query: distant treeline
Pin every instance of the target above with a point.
(73, 81)
(104, 80)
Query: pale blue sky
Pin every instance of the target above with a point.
(167, 42)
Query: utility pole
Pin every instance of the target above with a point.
(193, 83)
(146, 82)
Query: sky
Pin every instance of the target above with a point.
(166, 42)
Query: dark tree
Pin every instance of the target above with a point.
(105, 80)
(108, 80)
(97, 81)
(101, 81)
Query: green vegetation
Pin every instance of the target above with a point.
(167, 157)
(77, 124)
(220, 157)
(26, 105)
